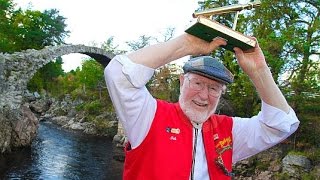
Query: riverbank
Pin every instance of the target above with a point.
(57, 153)
(74, 114)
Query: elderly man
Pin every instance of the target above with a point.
(187, 140)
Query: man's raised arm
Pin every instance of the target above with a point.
(254, 65)
(160, 54)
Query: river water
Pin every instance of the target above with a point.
(60, 154)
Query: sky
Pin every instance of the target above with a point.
(93, 22)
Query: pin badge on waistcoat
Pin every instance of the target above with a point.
(173, 130)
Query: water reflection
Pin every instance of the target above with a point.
(59, 154)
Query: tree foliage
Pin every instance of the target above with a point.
(45, 76)
(6, 9)
(110, 47)
(288, 32)
(91, 74)
(165, 82)
(29, 29)
(32, 29)
(143, 41)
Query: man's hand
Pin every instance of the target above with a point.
(198, 46)
(251, 61)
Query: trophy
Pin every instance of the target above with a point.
(207, 29)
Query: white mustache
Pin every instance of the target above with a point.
(201, 102)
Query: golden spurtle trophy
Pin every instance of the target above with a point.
(206, 28)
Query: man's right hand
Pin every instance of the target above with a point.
(200, 47)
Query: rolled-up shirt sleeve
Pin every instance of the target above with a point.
(132, 101)
(269, 127)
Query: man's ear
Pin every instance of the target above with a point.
(181, 78)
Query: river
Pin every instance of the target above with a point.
(60, 154)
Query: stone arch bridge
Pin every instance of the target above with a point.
(15, 71)
(18, 68)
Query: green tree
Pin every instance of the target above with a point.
(45, 77)
(6, 10)
(292, 39)
(143, 41)
(37, 29)
(32, 29)
(167, 35)
(29, 29)
(289, 32)
(110, 47)
(91, 74)
(165, 82)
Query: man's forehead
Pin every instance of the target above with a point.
(203, 78)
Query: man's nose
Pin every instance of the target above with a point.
(204, 93)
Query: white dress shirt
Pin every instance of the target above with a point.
(136, 109)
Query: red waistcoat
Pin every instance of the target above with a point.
(166, 152)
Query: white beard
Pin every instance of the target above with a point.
(194, 115)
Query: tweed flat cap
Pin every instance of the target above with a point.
(209, 67)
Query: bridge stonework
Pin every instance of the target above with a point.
(18, 125)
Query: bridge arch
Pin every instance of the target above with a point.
(18, 68)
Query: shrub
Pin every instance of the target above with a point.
(93, 107)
